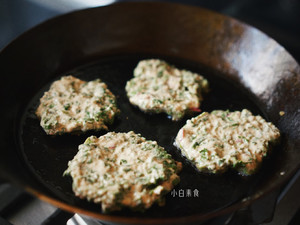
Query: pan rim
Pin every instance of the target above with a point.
(205, 216)
(169, 220)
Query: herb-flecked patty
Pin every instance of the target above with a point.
(159, 87)
(216, 141)
(73, 105)
(122, 170)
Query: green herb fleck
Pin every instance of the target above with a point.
(123, 161)
(204, 153)
(160, 73)
(67, 106)
(221, 161)
(127, 170)
(175, 181)
(157, 101)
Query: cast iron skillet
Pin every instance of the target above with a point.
(246, 69)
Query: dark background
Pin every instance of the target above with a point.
(280, 19)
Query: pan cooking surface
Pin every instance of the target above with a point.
(47, 157)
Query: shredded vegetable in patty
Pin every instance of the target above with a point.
(216, 141)
(123, 170)
(159, 87)
(73, 105)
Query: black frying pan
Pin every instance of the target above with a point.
(246, 69)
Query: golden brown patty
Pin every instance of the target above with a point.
(73, 105)
(215, 141)
(122, 170)
(159, 87)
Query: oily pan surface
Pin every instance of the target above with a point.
(47, 157)
(228, 51)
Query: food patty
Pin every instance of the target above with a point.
(73, 105)
(216, 141)
(122, 170)
(159, 87)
